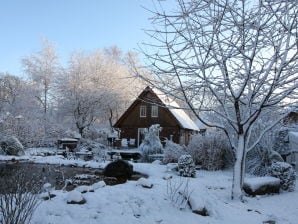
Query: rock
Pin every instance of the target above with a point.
(202, 212)
(167, 177)
(269, 222)
(136, 176)
(112, 181)
(158, 162)
(46, 196)
(119, 169)
(172, 167)
(11, 146)
(198, 204)
(98, 185)
(84, 189)
(261, 185)
(75, 197)
(144, 183)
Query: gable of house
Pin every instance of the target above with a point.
(151, 107)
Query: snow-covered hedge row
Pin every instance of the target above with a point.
(209, 151)
(172, 152)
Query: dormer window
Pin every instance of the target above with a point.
(154, 111)
(143, 111)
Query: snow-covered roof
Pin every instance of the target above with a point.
(184, 120)
(200, 124)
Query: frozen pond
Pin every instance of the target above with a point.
(57, 175)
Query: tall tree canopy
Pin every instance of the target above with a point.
(234, 59)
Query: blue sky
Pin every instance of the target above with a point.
(70, 25)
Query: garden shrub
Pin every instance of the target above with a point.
(186, 166)
(211, 151)
(172, 152)
(286, 173)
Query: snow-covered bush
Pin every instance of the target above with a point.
(259, 160)
(151, 143)
(172, 152)
(97, 134)
(211, 151)
(89, 145)
(186, 166)
(286, 173)
(97, 149)
(11, 146)
(18, 198)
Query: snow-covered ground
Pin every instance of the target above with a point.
(130, 203)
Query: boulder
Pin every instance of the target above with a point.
(167, 177)
(261, 185)
(198, 203)
(75, 197)
(98, 185)
(145, 183)
(12, 146)
(119, 169)
(84, 189)
(113, 181)
(46, 196)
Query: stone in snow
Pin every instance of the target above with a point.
(261, 185)
(75, 197)
(144, 183)
(98, 185)
(167, 177)
(84, 189)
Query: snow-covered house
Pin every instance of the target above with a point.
(154, 107)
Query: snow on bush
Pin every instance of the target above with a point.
(172, 152)
(98, 149)
(186, 166)
(259, 160)
(286, 173)
(11, 146)
(209, 151)
(151, 143)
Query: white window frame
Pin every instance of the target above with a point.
(143, 111)
(154, 111)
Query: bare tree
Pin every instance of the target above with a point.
(233, 59)
(96, 87)
(43, 68)
(10, 86)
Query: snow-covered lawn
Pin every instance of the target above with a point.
(131, 203)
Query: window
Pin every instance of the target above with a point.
(154, 111)
(143, 111)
